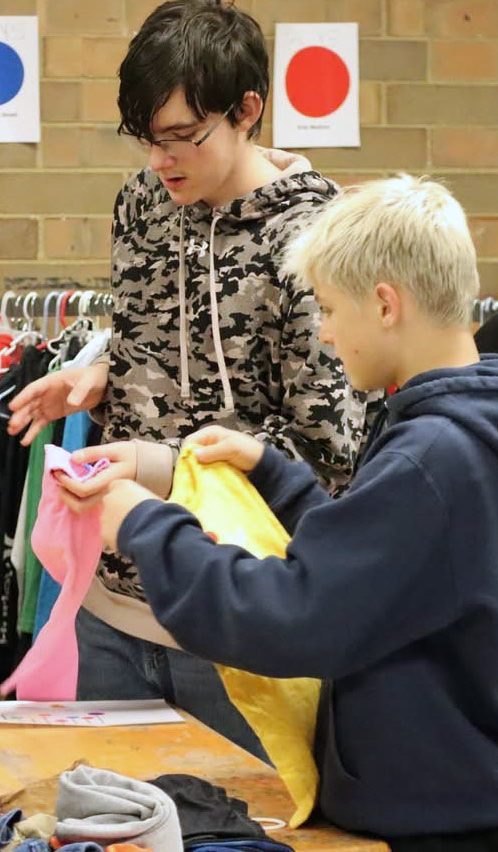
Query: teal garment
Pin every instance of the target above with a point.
(32, 566)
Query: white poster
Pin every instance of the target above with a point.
(316, 79)
(19, 79)
(88, 714)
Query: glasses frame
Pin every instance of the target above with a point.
(159, 143)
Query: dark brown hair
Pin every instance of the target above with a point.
(211, 49)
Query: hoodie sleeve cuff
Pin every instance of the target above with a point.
(154, 467)
(265, 476)
(103, 358)
(97, 414)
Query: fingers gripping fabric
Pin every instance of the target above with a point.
(69, 547)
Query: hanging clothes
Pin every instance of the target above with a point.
(486, 337)
(32, 565)
(72, 434)
(13, 467)
(27, 593)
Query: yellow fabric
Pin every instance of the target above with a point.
(282, 712)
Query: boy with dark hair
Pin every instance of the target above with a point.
(391, 591)
(205, 329)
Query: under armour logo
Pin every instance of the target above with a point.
(195, 248)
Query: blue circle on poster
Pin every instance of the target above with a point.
(11, 73)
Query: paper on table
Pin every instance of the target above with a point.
(87, 714)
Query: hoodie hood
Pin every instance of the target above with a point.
(296, 183)
(468, 396)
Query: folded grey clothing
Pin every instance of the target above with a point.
(106, 807)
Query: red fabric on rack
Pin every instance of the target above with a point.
(62, 311)
(6, 361)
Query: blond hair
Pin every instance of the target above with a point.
(405, 231)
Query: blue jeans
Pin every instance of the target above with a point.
(114, 665)
(7, 823)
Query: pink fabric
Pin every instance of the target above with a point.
(69, 547)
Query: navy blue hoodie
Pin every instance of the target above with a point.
(391, 591)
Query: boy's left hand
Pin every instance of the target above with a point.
(81, 496)
(117, 500)
(121, 497)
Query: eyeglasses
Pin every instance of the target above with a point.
(174, 144)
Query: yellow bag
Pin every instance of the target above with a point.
(282, 712)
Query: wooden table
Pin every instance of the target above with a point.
(31, 753)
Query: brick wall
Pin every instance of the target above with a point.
(429, 104)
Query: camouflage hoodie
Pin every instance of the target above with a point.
(206, 329)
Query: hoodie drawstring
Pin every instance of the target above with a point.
(184, 376)
(215, 321)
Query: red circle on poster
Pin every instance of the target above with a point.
(317, 81)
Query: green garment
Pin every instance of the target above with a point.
(32, 566)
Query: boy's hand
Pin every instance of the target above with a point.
(81, 496)
(56, 395)
(121, 497)
(220, 444)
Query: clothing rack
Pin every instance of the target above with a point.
(484, 309)
(20, 310)
(39, 332)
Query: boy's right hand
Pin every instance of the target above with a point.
(215, 443)
(56, 395)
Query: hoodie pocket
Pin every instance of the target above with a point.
(334, 750)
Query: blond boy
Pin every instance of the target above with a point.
(392, 590)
